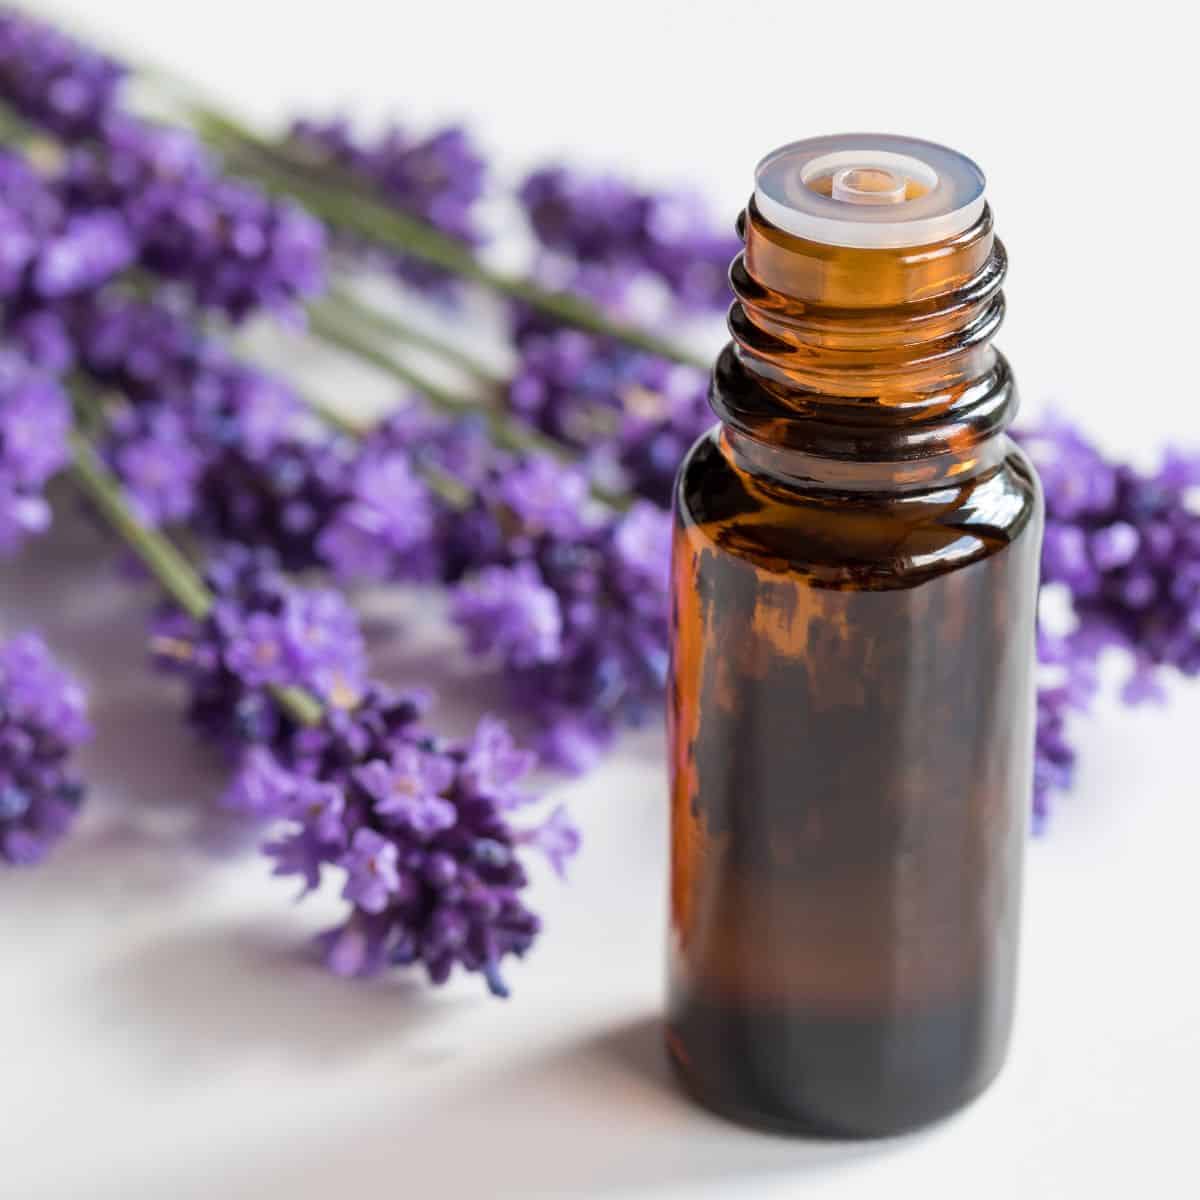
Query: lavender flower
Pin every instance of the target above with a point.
(630, 412)
(42, 336)
(263, 632)
(91, 248)
(372, 872)
(418, 826)
(408, 790)
(203, 438)
(574, 603)
(47, 249)
(157, 462)
(438, 178)
(34, 421)
(228, 449)
(604, 223)
(42, 721)
(557, 838)
(1067, 683)
(386, 516)
(419, 829)
(52, 79)
(510, 612)
(1127, 545)
(236, 248)
(133, 187)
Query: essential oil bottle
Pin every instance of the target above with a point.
(851, 710)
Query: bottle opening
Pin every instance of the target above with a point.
(869, 185)
(869, 190)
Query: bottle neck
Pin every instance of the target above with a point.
(861, 368)
(815, 472)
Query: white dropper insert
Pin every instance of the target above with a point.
(869, 190)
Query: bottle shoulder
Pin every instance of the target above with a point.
(862, 539)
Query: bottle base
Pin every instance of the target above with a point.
(834, 1080)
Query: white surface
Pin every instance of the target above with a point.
(159, 1035)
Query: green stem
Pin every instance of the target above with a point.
(387, 325)
(176, 575)
(341, 200)
(329, 328)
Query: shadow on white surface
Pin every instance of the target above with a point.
(213, 997)
(592, 1117)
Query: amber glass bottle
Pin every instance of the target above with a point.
(851, 704)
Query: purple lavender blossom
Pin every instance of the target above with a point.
(1127, 545)
(131, 189)
(494, 765)
(510, 612)
(203, 438)
(42, 721)
(91, 249)
(630, 412)
(34, 421)
(372, 872)
(603, 222)
(387, 515)
(417, 826)
(47, 249)
(43, 337)
(52, 79)
(409, 790)
(438, 178)
(1067, 683)
(557, 838)
(236, 248)
(597, 658)
(160, 466)
(263, 631)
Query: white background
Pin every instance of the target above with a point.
(159, 1034)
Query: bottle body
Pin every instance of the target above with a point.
(851, 709)
(851, 702)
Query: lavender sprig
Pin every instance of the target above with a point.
(419, 827)
(420, 830)
(42, 722)
(194, 421)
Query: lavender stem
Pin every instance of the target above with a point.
(388, 325)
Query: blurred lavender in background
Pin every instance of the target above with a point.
(439, 178)
(613, 235)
